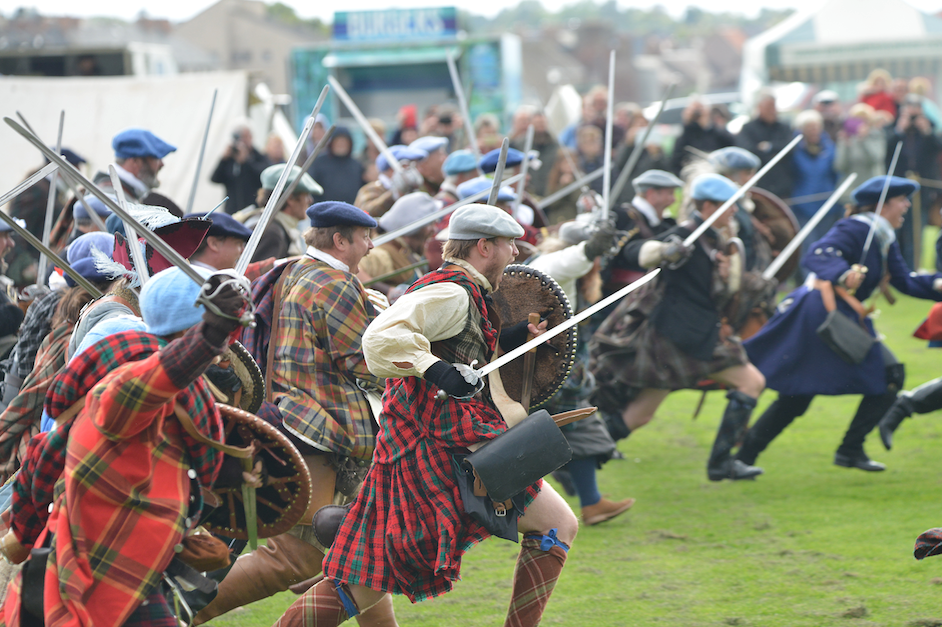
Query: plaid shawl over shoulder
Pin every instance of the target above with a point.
(318, 359)
(126, 489)
(407, 530)
(20, 421)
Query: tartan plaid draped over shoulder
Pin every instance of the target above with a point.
(20, 421)
(123, 503)
(407, 530)
(318, 359)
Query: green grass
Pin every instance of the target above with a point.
(807, 544)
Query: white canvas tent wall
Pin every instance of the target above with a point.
(841, 42)
(174, 108)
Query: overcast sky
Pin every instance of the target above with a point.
(181, 10)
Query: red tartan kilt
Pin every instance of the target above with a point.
(407, 530)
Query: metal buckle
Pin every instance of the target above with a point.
(499, 510)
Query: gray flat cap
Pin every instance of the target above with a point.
(475, 221)
(656, 178)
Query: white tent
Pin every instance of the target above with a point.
(174, 108)
(841, 42)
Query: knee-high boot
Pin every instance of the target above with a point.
(732, 430)
(850, 453)
(925, 398)
(770, 424)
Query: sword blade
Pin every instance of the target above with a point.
(136, 253)
(506, 358)
(565, 191)
(361, 120)
(522, 183)
(499, 172)
(610, 113)
(199, 160)
(796, 241)
(269, 211)
(883, 192)
(149, 236)
(35, 241)
(50, 204)
(465, 113)
(626, 171)
(700, 230)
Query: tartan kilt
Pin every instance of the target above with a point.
(407, 530)
(650, 360)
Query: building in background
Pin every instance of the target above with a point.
(244, 35)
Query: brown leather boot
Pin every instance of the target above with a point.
(605, 510)
(270, 569)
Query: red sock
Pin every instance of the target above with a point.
(534, 579)
(320, 606)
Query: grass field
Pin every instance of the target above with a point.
(807, 544)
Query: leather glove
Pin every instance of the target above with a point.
(601, 241)
(674, 252)
(448, 378)
(229, 302)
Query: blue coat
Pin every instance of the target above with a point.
(814, 174)
(788, 350)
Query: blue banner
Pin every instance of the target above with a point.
(396, 24)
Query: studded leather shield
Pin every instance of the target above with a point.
(525, 290)
(286, 495)
(779, 226)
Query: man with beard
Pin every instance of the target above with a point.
(139, 156)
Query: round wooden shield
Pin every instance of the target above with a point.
(782, 226)
(525, 290)
(283, 500)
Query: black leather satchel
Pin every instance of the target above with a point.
(845, 337)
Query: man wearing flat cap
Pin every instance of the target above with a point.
(459, 166)
(223, 245)
(408, 528)
(281, 238)
(318, 374)
(642, 219)
(139, 156)
(431, 166)
(674, 337)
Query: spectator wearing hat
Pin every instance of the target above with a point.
(405, 250)
(81, 213)
(765, 136)
(139, 156)
(643, 218)
(377, 197)
(682, 340)
(431, 166)
(339, 173)
(699, 134)
(240, 170)
(316, 376)
(828, 104)
(282, 237)
(458, 167)
(839, 264)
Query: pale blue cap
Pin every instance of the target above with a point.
(168, 301)
(713, 187)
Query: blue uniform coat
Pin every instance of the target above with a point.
(788, 350)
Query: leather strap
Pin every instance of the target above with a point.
(275, 326)
(70, 413)
(233, 451)
(830, 303)
(573, 416)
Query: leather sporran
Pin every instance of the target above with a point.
(499, 521)
(845, 337)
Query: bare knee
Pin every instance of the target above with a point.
(754, 383)
(567, 527)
